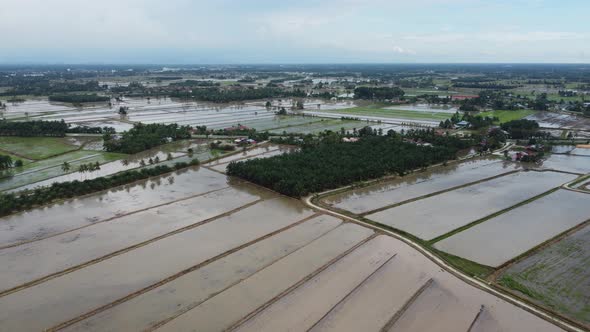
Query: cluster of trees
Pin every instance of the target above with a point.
(218, 95)
(14, 202)
(43, 86)
(520, 129)
(79, 98)
(5, 162)
(90, 130)
(475, 121)
(332, 164)
(145, 136)
(430, 136)
(380, 93)
(90, 167)
(222, 146)
(33, 128)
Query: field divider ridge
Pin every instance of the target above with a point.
(300, 282)
(352, 291)
(179, 274)
(389, 324)
(16, 244)
(124, 250)
(383, 208)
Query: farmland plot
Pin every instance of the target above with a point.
(197, 250)
(83, 211)
(508, 235)
(568, 163)
(557, 276)
(132, 271)
(434, 216)
(417, 184)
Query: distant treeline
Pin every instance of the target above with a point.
(43, 86)
(11, 202)
(229, 95)
(33, 128)
(145, 136)
(378, 93)
(331, 165)
(79, 98)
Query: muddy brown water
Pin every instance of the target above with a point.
(37, 259)
(222, 167)
(434, 216)
(60, 217)
(506, 236)
(445, 311)
(325, 295)
(418, 184)
(227, 308)
(243, 154)
(83, 290)
(198, 287)
(302, 308)
(387, 290)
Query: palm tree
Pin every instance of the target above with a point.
(65, 167)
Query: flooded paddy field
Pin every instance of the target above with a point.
(418, 184)
(196, 250)
(38, 171)
(253, 114)
(59, 217)
(48, 171)
(560, 120)
(515, 232)
(393, 113)
(315, 127)
(567, 163)
(386, 116)
(265, 151)
(557, 276)
(337, 298)
(436, 215)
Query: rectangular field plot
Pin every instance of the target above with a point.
(233, 305)
(574, 164)
(83, 290)
(319, 126)
(35, 147)
(436, 309)
(394, 113)
(215, 290)
(307, 304)
(557, 276)
(388, 290)
(366, 199)
(436, 215)
(57, 218)
(38, 259)
(52, 167)
(506, 236)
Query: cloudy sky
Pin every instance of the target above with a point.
(302, 31)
